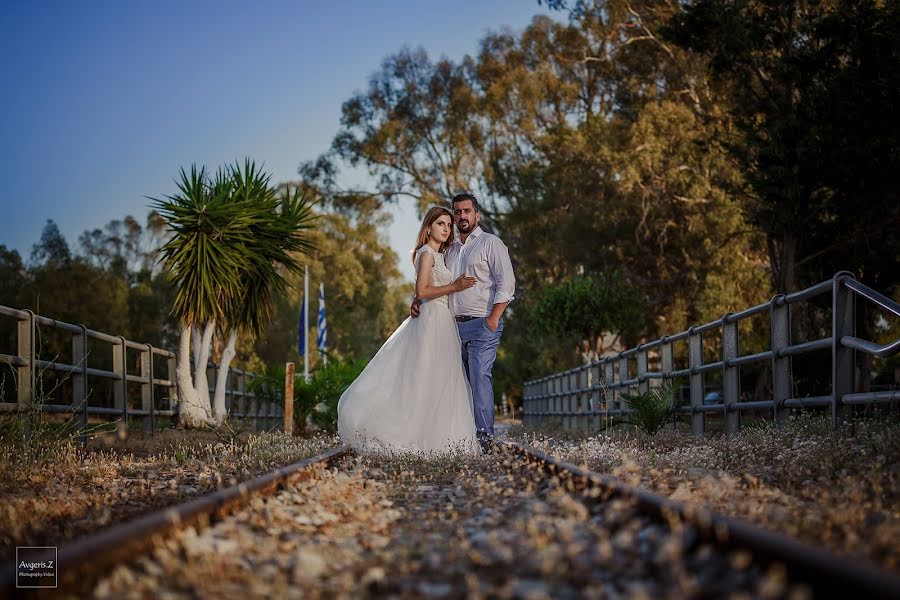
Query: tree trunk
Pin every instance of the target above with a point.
(190, 411)
(201, 383)
(196, 337)
(783, 261)
(219, 409)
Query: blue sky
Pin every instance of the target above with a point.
(102, 102)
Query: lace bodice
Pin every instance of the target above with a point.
(440, 274)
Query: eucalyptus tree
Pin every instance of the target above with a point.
(415, 129)
(232, 240)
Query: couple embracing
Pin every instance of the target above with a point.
(429, 388)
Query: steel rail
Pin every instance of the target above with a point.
(82, 561)
(827, 574)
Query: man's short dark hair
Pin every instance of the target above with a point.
(466, 196)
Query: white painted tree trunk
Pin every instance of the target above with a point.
(195, 344)
(201, 383)
(219, 409)
(191, 410)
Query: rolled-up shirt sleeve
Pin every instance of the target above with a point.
(501, 269)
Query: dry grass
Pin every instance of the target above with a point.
(841, 491)
(60, 491)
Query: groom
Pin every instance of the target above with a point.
(479, 309)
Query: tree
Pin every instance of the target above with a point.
(413, 129)
(595, 145)
(588, 307)
(367, 298)
(52, 250)
(124, 245)
(814, 88)
(233, 240)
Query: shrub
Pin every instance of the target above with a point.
(314, 401)
(651, 410)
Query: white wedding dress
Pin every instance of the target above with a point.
(413, 396)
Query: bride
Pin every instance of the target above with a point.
(414, 396)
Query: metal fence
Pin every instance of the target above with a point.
(583, 397)
(132, 363)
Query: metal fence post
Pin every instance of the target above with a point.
(242, 394)
(843, 359)
(609, 377)
(120, 368)
(667, 360)
(584, 395)
(545, 403)
(229, 393)
(171, 369)
(780, 318)
(731, 376)
(79, 379)
(666, 366)
(695, 361)
(531, 406)
(574, 398)
(147, 388)
(594, 423)
(623, 377)
(526, 389)
(643, 382)
(557, 399)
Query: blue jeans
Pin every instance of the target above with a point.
(479, 350)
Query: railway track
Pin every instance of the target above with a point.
(85, 560)
(515, 524)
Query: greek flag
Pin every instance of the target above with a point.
(301, 329)
(321, 327)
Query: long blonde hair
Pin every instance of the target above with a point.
(430, 217)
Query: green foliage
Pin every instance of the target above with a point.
(593, 148)
(651, 410)
(589, 305)
(325, 387)
(233, 239)
(812, 90)
(365, 293)
(314, 401)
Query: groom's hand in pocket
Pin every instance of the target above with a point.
(414, 308)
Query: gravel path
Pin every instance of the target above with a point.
(411, 528)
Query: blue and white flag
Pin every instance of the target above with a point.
(301, 329)
(321, 326)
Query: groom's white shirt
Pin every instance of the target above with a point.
(485, 257)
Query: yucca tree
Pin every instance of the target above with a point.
(275, 240)
(233, 239)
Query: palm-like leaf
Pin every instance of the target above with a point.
(198, 257)
(233, 240)
(275, 237)
(651, 410)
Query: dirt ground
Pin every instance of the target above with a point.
(56, 490)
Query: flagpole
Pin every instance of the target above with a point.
(306, 322)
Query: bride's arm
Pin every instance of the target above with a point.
(426, 291)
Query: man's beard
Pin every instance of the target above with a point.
(464, 228)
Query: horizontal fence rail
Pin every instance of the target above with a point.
(132, 363)
(583, 398)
